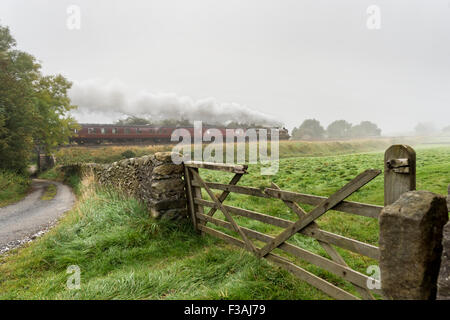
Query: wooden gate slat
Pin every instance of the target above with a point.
(302, 274)
(345, 272)
(325, 205)
(335, 256)
(235, 168)
(312, 279)
(250, 245)
(353, 245)
(361, 209)
(250, 191)
(225, 194)
(190, 197)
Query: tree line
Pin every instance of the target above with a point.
(134, 120)
(33, 107)
(311, 129)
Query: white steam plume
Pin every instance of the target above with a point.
(110, 99)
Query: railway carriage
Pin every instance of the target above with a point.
(135, 134)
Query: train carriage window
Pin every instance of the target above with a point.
(114, 130)
(75, 130)
(103, 130)
(138, 130)
(91, 130)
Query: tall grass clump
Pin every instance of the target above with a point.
(13, 187)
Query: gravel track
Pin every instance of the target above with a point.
(31, 217)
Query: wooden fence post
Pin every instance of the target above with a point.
(193, 192)
(399, 172)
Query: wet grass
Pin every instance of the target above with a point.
(124, 254)
(49, 193)
(287, 149)
(323, 176)
(13, 187)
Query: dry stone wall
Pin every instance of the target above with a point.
(154, 179)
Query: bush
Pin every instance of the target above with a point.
(128, 154)
(13, 187)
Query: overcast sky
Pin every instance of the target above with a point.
(287, 60)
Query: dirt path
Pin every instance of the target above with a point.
(22, 220)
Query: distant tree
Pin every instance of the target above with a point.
(339, 129)
(175, 123)
(446, 129)
(184, 123)
(234, 125)
(309, 129)
(128, 154)
(425, 128)
(239, 125)
(365, 129)
(132, 120)
(33, 108)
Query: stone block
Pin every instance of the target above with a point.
(410, 245)
(167, 185)
(165, 157)
(167, 169)
(444, 273)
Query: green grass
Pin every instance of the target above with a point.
(107, 154)
(323, 176)
(52, 174)
(13, 187)
(124, 254)
(50, 192)
(56, 174)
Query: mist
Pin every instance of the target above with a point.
(280, 61)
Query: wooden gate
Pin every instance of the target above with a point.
(305, 225)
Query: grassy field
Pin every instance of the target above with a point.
(107, 154)
(13, 187)
(123, 254)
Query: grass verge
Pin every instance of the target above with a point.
(50, 192)
(13, 187)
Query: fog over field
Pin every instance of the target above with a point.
(265, 60)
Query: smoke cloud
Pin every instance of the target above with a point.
(111, 100)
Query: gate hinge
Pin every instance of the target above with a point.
(398, 165)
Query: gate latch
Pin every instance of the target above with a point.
(398, 165)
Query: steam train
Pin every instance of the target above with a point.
(135, 134)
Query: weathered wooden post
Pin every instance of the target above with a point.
(399, 172)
